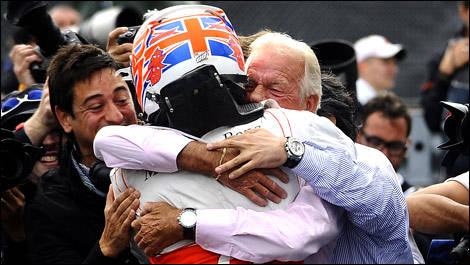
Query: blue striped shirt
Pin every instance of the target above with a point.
(376, 230)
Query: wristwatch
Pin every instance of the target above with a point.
(187, 219)
(295, 150)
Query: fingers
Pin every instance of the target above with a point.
(123, 49)
(138, 238)
(148, 207)
(272, 186)
(130, 218)
(14, 196)
(230, 164)
(131, 199)
(278, 173)
(242, 170)
(114, 204)
(19, 52)
(109, 196)
(17, 193)
(252, 196)
(125, 208)
(263, 191)
(113, 35)
(218, 145)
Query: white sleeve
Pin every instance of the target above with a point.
(462, 179)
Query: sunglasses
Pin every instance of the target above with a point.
(395, 148)
(12, 103)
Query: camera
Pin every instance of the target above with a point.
(456, 128)
(17, 158)
(34, 18)
(128, 37)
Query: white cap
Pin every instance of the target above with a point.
(377, 46)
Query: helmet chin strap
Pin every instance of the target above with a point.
(202, 100)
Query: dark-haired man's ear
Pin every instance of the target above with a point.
(64, 119)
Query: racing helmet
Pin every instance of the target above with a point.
(176, 40)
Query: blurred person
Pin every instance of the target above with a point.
(24, 51)
(64, 223)
(377, 66)
(294, 101)
(447, 80)
(65, 17)
(17, 108)
(386, 126)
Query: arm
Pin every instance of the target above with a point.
(42, 121)
(293, 234)
(364, 188)
(144, 147)
(440, 208)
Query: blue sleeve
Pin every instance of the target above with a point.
(365, 189)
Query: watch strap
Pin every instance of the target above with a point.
(188, 232)
(292, 160)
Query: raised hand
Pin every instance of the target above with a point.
(118, 213)
(121, 53)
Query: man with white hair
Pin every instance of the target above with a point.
(376, 65)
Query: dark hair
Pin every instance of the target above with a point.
(338, 102)
(72, 64)
(390, 105)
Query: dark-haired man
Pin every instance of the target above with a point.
(66, 222)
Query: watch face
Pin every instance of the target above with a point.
(297, 148)
(188, 219)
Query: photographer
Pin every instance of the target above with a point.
(25, 50)
(19, 188)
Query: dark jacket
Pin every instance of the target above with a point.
(65, 221)
(436, 89)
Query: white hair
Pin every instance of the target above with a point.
(310, 84)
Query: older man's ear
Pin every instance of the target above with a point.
(312, 103)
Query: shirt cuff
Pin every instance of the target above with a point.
(310, 165)
(208, 221)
